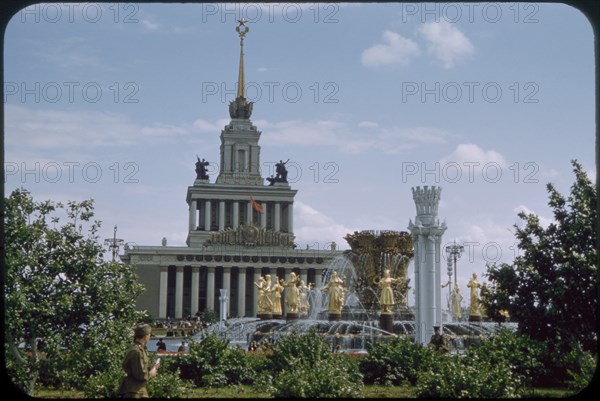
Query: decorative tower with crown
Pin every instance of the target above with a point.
(427, 237)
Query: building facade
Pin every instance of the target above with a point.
(239, 229)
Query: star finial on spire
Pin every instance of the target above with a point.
(241, 32)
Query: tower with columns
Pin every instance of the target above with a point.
(239, 229)
(427, 234)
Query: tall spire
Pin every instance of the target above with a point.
(242, 33)
(240, 108)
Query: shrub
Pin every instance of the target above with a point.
(103, 385)
(211, 363)
(302, 365)
(168, 385)
(395, 362)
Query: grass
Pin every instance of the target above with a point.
(239, 391)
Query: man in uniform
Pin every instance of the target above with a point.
(438, 341)
(137, 366)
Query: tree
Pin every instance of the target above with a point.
(551, 289)
(68, 313)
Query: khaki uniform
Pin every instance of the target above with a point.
(137, 366)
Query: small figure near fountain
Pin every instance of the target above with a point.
(456, 303)
(303, 305)
(264, 302)
(483, 292)
(474, 312)
(438, 341)
(277, 290)
(336, 292)
(292, 296)
(386, 300)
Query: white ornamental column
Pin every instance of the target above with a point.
(236, 214)
(210, 289)
(427, 236)
(263, 216)
(195, 289)
(277, 222)
(318, 278)
(179, 292)
(290, 217)
(221, 215)
(227, 286)
(249, 213)
(162, 292)
(207, 210)
(193, 215)
(241, 292)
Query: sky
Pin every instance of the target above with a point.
(489, 101)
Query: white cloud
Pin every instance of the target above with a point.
(316, 229)
(472, 156)
(446, 42)
(368, 124)
(56, 129)
(396, 50)
(149, 25)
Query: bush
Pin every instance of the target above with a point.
(103, 385)
(168, 385)
(303, 366)
(212, 363)
(395, 362)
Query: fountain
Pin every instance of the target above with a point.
(349, 310)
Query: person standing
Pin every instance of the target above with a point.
(137, 366)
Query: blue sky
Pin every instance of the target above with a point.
(489, 101)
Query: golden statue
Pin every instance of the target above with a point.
(277, 290)
(386, 300)
(264, 302)
(303, 305)
(474, 285)
(292, 294)
(483, 290)
(336, 292)
(456, 302)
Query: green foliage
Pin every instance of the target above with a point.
(395, 362)
(303, 366)
(60, 290)
(498, 368)
(210, 316)
(581, 367)
(211, 363)
(551, 289)
(104, 384)
(168, 385)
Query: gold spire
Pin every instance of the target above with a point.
(242, 33)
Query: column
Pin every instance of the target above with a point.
(207, 221)
(241, 292)
(257, 275)
(195, 289)
(290, 217)
(277, 222)
(210, 289)
(263, 215)
(221, 215)
(179, 293)
(249, 213)
(162, 292)
(193, 215)
(304, 275)
(236, 214)
(227, 286)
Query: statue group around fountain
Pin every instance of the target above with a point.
(270, 294)
(296, 291)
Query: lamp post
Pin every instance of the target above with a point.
(453, 253)
(114, 244)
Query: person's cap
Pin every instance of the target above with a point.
(142, 330)
(436, 327)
